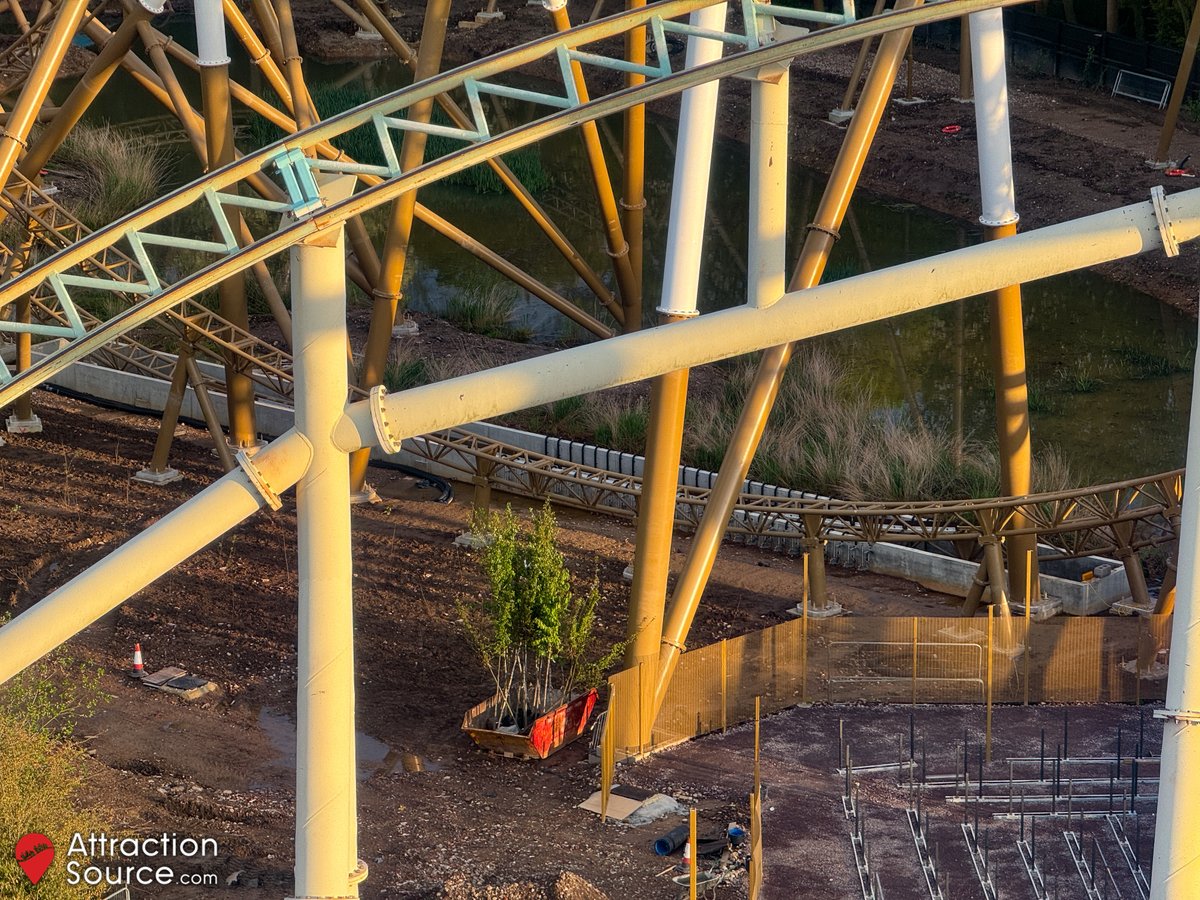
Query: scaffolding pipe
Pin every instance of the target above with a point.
(326, 851)
(999, 217)
(106, 584)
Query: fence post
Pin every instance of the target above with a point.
(1028, 618)
(641, 709)
(692, 853)
(988, 725)
(757, 710)
(724, 686)
(608, 751)
(804, 635)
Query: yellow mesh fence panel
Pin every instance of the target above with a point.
(881, 659)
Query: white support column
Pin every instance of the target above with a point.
(1176, 871)
(991, 118)
(767, 257)
(693, 163)
(326, 824)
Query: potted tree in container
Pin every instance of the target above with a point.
(533, 634)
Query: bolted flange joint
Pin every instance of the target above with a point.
(258, 480)
(379, 421)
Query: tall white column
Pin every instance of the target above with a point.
(766, 261)
(1176, 871)
(326, 824)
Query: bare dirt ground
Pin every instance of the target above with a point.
(220, 768)
(437, 817)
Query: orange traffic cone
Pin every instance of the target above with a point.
(687, 856)
(138, 670)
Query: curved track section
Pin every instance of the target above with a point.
(147, 237)
(1083, 521)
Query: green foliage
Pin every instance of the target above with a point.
(39, 785)
(51, 695)
(1078, 378)
(362, 144)
(526, 164)
(827, 435)
(1144, 364)
(534, 634)
(404, 370)
(120, 173)
(1171, 19)
(621, 425)
(41, 774)
(486, 309)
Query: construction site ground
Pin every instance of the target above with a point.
(468, 825)
(438, 818)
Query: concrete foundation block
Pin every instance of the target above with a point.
(830, 610)
(840, 116)
(471, 541)
(166, 476)
(32, 425)
(406, 328)
(1046, 608)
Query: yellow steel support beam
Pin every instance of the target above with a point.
(395, 248)
(762, 393)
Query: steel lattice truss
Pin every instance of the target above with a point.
(127, 261)
(1134, 513)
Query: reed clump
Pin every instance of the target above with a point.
(119, 172)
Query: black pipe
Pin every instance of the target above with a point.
(1042, 758)
(671, 841)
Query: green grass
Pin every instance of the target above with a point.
(1145, 364)
(827, 435)
(1078, 378)
(42, 773)
(120, 173)
(404, 370)
(486, 309)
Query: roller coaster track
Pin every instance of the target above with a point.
(1078, 522)
(305, 213)
(1075, 523)
(1083, 521)
(49, 226)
